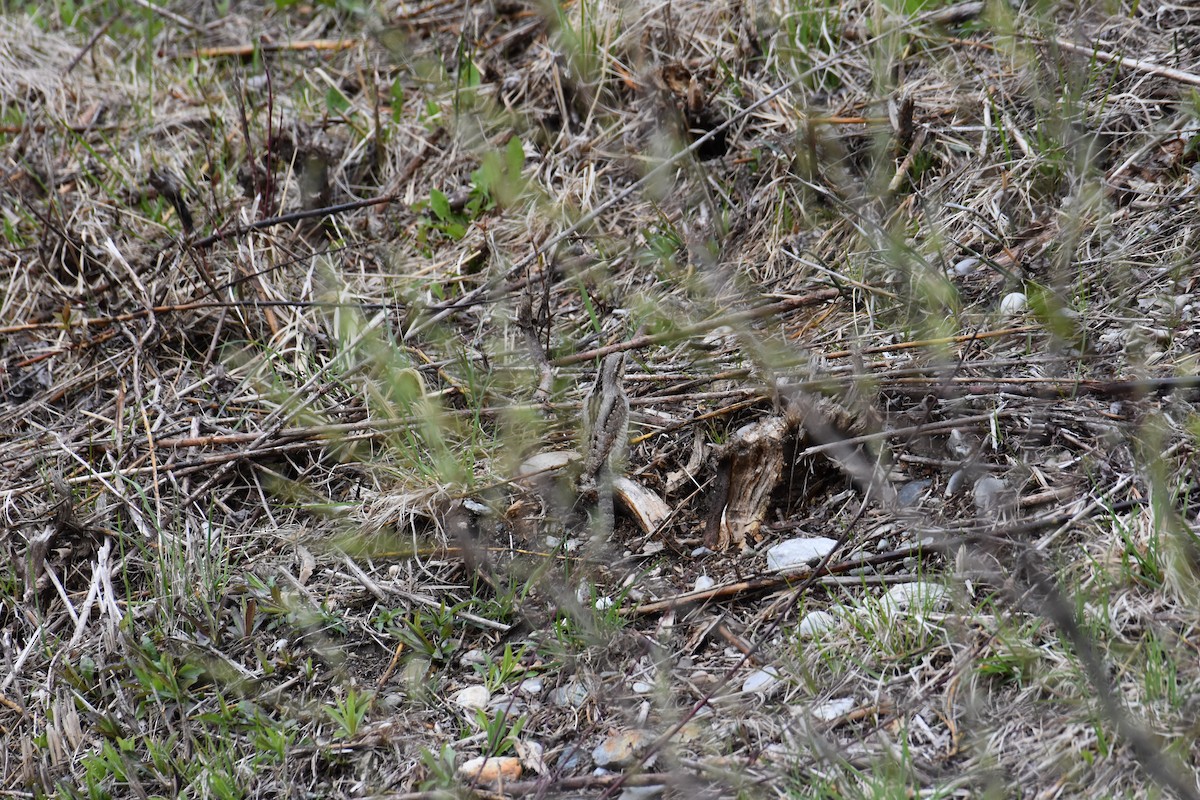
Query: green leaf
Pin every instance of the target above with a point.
(440, 205)
(514, 154)
(397, 96)
(336, 102)
(469, 75)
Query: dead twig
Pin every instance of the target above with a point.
(1178, 75)
(286, 219)
(247, 50)
(733, 320)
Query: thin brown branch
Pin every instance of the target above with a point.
(247, 50)
(734, 319)
(1178, 75)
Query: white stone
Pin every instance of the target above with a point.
(473, 657)
(572, 695)
(476, 507)
(917, 595)
(1013, 304)
(545, 462)
(966, 266)
(532, 755)
(703, 582)
(832, 709)
(472, 697)
(761, 680)
(815, 623)
(798, 552)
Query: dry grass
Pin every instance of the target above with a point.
(261, 471)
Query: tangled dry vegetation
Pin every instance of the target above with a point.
(301, 303)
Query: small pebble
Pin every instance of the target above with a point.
(816, 623)
(832, 709)
(544, 462)
(532, 755)
(910, 493)
(966, 266)
(570, 760)
(917, 595)
(472, 697)
(572, 695)
(476, 507)
(620, 750)
(511, 705)
(473, 657)
(1014, 304)
(957, 483)
(798, 552)
(761, 680)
